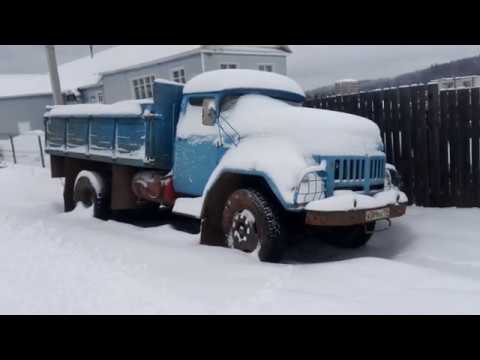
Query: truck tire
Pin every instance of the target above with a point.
(90, 191)
(352, 237)
(251, 223)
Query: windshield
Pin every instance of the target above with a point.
(228, 103)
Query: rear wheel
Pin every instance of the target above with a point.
(90, 191)
(251, 223)
(352, 237)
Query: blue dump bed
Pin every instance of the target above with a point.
(136, 133)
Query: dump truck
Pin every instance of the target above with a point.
(235, 149)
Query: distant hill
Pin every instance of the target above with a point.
(462, 67)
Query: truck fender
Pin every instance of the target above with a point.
(216, 195)
(229, 180)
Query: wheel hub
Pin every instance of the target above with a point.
(244, 232)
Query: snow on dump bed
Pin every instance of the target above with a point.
(219, 80)
(120, 109)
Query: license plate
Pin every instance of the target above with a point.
(380, 214)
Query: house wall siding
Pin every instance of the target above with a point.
(118, 86)
(214, 61)
(23, 110)
(87, 93)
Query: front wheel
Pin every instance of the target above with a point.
(251, 223)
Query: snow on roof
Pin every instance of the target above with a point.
(23, 84)
(87, 71)
(346, 81)
(260, 48)
(219, 80)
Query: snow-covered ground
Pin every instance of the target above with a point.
(27, 148)
(55, 263)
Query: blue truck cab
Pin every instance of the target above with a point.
(235, 149)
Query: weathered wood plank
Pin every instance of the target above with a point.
(387, 107)
(379, 112)
(395, 127)
(421, 173)
(433, 122)
(476, 145)
(463, 153)
(406, 166)
(323, 103)
(452, 130)
(445, 175)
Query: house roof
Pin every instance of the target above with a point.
(87, 72)
(13, 85)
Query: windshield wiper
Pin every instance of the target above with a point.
(234, 141)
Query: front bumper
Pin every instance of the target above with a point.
(348, 208)
(352, 217)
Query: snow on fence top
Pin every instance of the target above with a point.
(220, 80)
(120, 109)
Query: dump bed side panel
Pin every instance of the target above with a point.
(145, 140)
(112, 140)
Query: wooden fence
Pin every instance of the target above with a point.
(431, 136)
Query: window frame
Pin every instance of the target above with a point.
(266, 64)
(152, 77)
(179, 68)
(237, 66)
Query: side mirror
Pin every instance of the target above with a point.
(209, 115)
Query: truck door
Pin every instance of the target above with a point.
(197, 149)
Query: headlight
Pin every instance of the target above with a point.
(312, 187)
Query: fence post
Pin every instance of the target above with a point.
(41, 150)
(13, 149)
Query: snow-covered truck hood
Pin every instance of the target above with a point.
(280, 140)
(314, 131)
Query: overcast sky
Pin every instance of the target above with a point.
(311, 65)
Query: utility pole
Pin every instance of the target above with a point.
(54, 78)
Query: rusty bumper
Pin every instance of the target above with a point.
(354, 217)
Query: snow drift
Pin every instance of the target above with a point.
(55, 263)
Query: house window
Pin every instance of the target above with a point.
(228, 66)
(178, 75)
(265, 67)
(93, 99)
(100, 97)
(143, 87)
